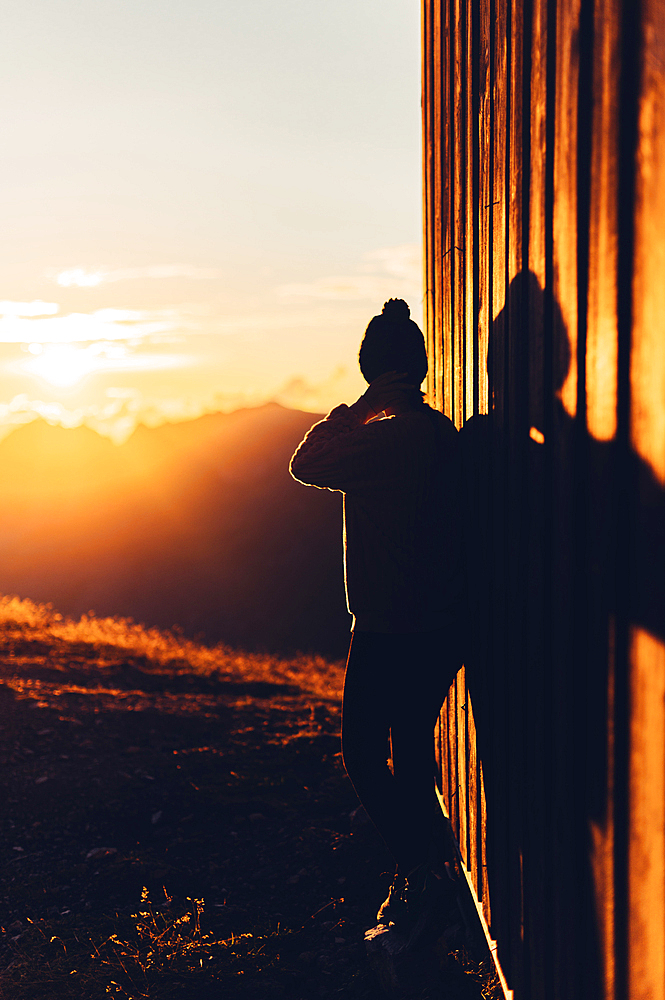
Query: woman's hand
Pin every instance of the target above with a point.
(383, 393)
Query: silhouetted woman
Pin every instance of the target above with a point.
(397, 463)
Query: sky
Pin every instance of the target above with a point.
(202, 202)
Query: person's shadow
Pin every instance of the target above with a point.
(547, 556)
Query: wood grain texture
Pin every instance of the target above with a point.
(462, 769)
(647, 372)
(647, 818)
(544, 133)
(471, 361)
(602, 334)
(474, 861)
(458, 186)
(483, 207)
(565, 187)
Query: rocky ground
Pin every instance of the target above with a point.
(168, 834)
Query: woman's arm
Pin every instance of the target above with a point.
(340, 452)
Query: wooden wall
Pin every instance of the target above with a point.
(544, 181)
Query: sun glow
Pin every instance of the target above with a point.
(61, 364)
(65, 365)
(37, 322)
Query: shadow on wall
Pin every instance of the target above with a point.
(550, 546)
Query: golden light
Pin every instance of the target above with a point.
(62, 365)
(65, 365)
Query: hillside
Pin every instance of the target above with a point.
(177, 823)
(196, 524)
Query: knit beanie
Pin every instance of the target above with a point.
(393, 343)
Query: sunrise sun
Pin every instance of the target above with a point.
(61, 365)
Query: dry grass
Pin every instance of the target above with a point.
(161, 952)
(164, 944)
(165, 650)
(281, 764)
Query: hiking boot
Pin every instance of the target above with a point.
(393, 909)
(431, 904)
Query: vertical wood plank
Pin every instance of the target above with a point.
(564, 222)
(456, 773)
(440, 109)
(537, 842)
(428, 103)
(515, 180)
(601, 405)
(473, 860)
(646, 850)
(563, 406)
(462, 770)
(447, 402)
(444, 750)
(470, 214)
(487, 909)
(647, 363)
(602, 337)
(457, 253)
(602, 847)
(484, 201)
(538, 143)
(647, 818)
(454, 766)
(500, 125)
(438, 754)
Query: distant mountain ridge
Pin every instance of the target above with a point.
(196, 524)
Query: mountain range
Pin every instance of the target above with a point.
(195, 524)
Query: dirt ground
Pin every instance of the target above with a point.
(175, 835)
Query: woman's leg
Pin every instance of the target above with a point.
(366, 732)
(432, 659)
(396, 683)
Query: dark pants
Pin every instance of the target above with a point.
(394, 687)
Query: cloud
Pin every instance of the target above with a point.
(104, 324)
(318, 397)
(34, 308)
(344, 288)
(390, 272)
(89, 278)
(404, 261)
(119, 410)
(116, 416)
(23, 410)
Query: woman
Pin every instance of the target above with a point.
(397, 463)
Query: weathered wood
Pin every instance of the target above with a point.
(647, 362)
(429, 111)
(647, 818)
(462, 769)
(537, 118)
(459, 177)
(544, 126)
(602, 345)
(484, 204)
(468, 247)
(447, 221)
(453, 747)
(487, 909)
(474, 861)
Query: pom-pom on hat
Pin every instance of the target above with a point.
(393, 343)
